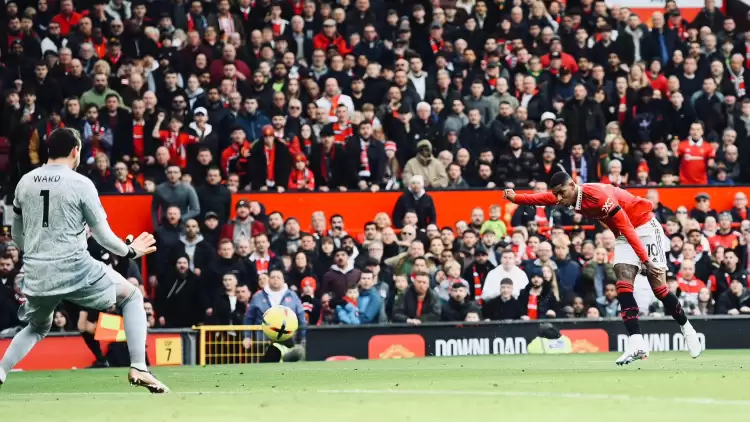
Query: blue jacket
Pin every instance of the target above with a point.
(568, 273)
(369, 304)
(348, 314)
(253, 123)
(260, 303)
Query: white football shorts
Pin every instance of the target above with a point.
(654, 240)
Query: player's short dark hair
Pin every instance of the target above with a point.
(559, 178)
(62, 141)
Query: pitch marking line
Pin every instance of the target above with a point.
(522, 394)
(518, 394)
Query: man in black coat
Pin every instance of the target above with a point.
(417, 200)
(459, 305)
(475, 136)
(504, 306)
(366, 159)
(199, 252)
(214, 195)
(406, 308)
(179, 301)
(328, 162)
(583, 117)
(504, 124)
(273, 149)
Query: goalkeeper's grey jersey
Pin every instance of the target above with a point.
(56, 204)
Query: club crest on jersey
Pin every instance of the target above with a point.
(608, 205)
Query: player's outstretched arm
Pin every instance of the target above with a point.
(542, 198)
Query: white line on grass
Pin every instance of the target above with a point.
(580, 396)
(518, 394)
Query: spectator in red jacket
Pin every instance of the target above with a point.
(229, 56)
(234, 157)
(301, 178)
(329, 36)
(244, 226)
(68, 17)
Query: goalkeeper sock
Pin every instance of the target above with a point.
(136, 326)
(22, 344)
(628, 307)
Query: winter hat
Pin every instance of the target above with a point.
(548, 115)
(309, 281)
(268, 130)
(390, 146)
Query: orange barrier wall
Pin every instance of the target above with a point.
(132, 213)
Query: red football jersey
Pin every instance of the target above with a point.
(604, 202)
(729, 241)
(694, 162)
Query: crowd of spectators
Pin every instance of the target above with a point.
(193, 101)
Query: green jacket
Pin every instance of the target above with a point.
(98, 99)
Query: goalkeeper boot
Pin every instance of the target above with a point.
(146, 379)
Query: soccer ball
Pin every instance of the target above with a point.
(279, 323)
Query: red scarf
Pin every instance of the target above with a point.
(261, 265)
(621, 114)
(477, 281)
(364, 160)
(533, 307)
(739, 83)
(436, 45)
(270, 162)
(126, 187)
(747, 56)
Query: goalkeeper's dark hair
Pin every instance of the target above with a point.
(62, 141)
(560, 178)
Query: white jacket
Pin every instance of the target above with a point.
(491, 287)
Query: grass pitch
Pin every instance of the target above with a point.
(575, 388)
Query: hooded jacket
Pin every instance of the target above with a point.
(198, 251)
(430, 168)
(369, 305)
(338, 280)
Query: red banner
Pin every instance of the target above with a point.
(70, 352)
(132, 213)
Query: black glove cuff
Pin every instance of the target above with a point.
(131, 253)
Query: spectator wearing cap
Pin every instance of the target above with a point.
(340, 276)
(424, 164)
(244, 226)
(328, 162)
(366, 159)
(330, 36)
(416, 200)
(270, 163)
(301, 178)
(702, 208)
